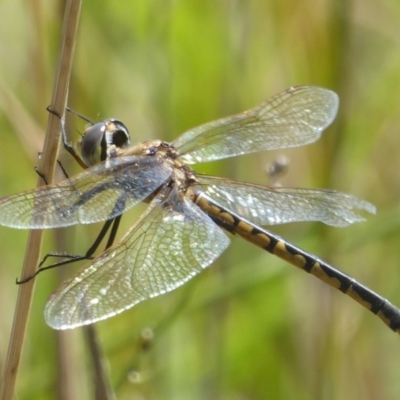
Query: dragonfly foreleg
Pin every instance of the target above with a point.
(63, 170)
(67, 146)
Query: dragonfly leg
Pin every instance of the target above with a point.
(36, 169)
(63, 170)
(51, 111)
(68, 259)
(68, 146)
(79, 115)
(71, 258)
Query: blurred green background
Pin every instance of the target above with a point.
(251, 326)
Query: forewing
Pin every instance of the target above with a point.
(172, 242)
(264, 205)
(292, 118)
(101, 192)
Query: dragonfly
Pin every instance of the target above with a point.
(189, 215)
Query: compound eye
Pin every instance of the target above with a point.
(117, 134)
(93, 145)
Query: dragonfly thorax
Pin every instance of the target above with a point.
(182, 175)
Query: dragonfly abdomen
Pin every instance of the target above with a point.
(272, 243)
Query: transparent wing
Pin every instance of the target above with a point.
(172, 242)
(292, 118)
(264, 205)
(103, 191)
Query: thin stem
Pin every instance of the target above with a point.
(102, 384)
(47, 166)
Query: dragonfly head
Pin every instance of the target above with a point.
(99, 138)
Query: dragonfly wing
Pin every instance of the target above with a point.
(292, 118)
(172, 242)
(264, 205)
(101, 192)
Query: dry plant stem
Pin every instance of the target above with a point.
(70, 371)
(46, 166)
(102, 385)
